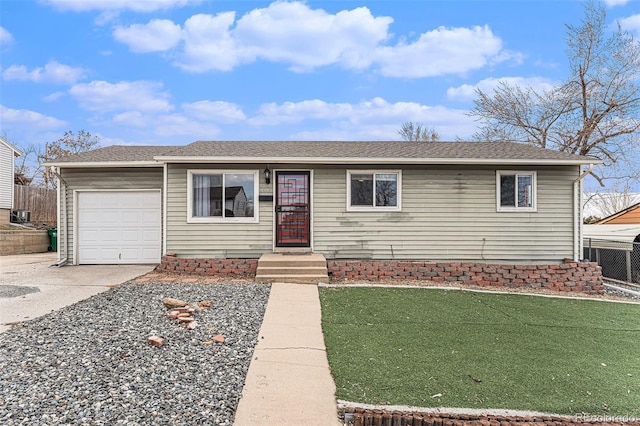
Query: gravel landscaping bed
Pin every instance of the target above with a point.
(615, 289)
(91, 364)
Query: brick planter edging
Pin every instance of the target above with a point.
(376, 417)
(570, 276)
(214, 266)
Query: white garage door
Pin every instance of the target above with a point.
(117, 227)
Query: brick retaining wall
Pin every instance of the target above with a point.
(23, 242)
(374, 417)
(219, 267)
(569, 276)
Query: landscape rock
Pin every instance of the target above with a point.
(218, 338)
(191, 325)
(119, 378)
(171, 303)
(156, 341)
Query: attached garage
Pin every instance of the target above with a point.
(119, 227)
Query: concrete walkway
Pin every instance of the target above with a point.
(289, 381)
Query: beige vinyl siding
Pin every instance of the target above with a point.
(447, 214)
(223, 240)
(99, 179)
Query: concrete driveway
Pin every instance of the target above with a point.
(29, 288)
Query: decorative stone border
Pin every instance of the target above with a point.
(220, 267)
(570, 276)
(357, 416)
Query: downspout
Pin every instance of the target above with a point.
(165, 181)
(577, 217)
(62, 219)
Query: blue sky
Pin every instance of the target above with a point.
(168, 72)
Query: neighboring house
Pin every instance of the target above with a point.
(603, 204)
(614, 243)
(8, 153)
(628, 216)
(439, 201)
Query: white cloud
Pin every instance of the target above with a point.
(467, 92)
(612, 3)
(52, 72)
(156, 36)
(108, 5)
(215, 111)
(26, 118)
(208, 45)
(374, 119)
(441, 51)
(303, 38)
(307, 38)
(132, 119)
(5, 37)
(53, 97)
(179, 124)
(631, 24)
(102, 96)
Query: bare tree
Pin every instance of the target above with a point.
(595, 111)
(418, 132)
(605, 204)
(68, 144)
(27, 166)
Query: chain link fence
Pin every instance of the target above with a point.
(619, 260)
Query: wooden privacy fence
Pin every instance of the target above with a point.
(41, 202)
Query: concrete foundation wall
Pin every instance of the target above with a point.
(23, 242)
(5, 215)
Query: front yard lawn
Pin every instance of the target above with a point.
(449, 348)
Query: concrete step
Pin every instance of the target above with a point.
(308, 268)
(291, 270)
(299, 279)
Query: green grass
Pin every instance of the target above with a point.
(403, 346)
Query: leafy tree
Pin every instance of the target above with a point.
(418, 132)
(595, 111)
(69, 144)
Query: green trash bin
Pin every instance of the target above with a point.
(53, 239)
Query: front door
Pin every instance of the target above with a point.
(292, 209)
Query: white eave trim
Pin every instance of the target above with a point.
(102, 164)
(372, 160)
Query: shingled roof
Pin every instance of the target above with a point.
(116, 154)
(332, 153)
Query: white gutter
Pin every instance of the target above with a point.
(105, 164)
(366, 160)
(578, 244)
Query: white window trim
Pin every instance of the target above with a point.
(397, 208)
(534, 191)
(217, 219)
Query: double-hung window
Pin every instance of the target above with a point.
(222, 196)
(516, 191)
(373, 190)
